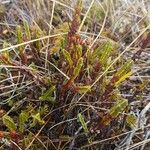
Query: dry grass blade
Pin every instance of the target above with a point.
(30, 144)
(31, 41)
(103, 25)
(50, 24)
(89, 8)
(112, 138)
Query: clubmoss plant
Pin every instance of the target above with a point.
(61, 106)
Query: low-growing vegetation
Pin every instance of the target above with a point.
(74, 83)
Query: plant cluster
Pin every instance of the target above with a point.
(64, 91)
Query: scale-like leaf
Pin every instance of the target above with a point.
(37, 34)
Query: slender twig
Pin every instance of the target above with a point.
(31, 41)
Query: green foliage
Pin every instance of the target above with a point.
(115, 111)
(79, 51)
(67, 56)
(9, 123)
(96, 13)
(78, 68)
(124, 72)
(131, 120)
(60, 42)
(5, 44)
(84, 88)
(118, 108)
(83, 123)
(126, 68)
(37, 33)
(36, 119)
(84, 126)
(23, 117)
(49, 95)
(26, 141)
(65, 138)
(56, 92)
(79, 3)
(27, 29)
(19, 32)
(106, 50)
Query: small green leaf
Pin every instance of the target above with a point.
(6, 44)
(79, 51)
(123, 78)
(118, 108)
(126, 68)
(37, 34)
(131, 120)
(19, 36)
(27, 139)
(37, 119)
(43, 110)
(9, 123)
(84, 89)
(83, 123)
(78, 68)
(23, 117)
(105, 52)
(27, 29)
(48, 95)
(89, 53)
(114, 112)
(79, 3)
(67, 56)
